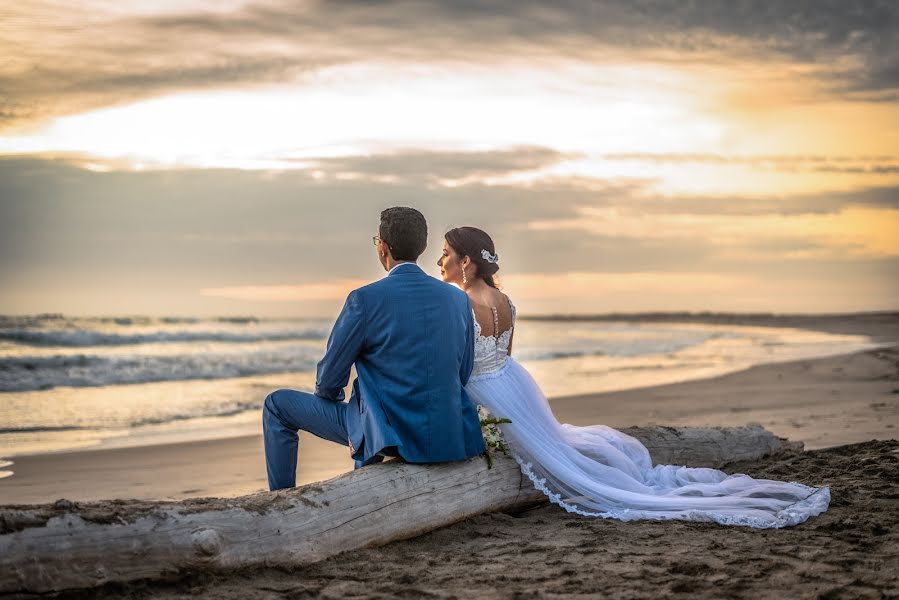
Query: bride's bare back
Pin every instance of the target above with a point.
(493, 313)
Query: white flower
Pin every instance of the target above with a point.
(493, 435)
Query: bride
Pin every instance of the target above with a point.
(596, 471)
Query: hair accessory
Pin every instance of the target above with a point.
(491, 258)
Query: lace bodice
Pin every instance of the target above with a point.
(490, 352)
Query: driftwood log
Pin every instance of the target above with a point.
(67, 545)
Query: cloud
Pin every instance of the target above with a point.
(222, 227)
(642, 197)
(230, 224)
(434, 167)
(230, 242)
(86, 55)
(880, 165)
(853, 232)
(871, 169)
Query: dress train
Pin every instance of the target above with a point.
(598, 471)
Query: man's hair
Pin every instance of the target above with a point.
(405, 231)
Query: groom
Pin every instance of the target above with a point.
(411, 338)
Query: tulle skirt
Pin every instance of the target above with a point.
(598, 471)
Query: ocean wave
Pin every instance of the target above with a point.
(22, 374)
(87, 338)
(139, 320)
(536, 355)
(39, 428)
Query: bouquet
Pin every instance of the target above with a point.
(493, 437)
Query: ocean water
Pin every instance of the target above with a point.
(73, 383)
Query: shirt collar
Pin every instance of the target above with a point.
(397, 266)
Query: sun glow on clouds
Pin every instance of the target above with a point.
(357, 109)
(589, 112)
(853, 232)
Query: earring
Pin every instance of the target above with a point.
(464, 278)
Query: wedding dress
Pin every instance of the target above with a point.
(598, 471)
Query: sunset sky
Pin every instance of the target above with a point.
(229, 157)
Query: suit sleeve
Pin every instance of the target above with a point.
(344, 344)
(467, 352)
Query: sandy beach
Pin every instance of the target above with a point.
(844, 408)
(851, 551)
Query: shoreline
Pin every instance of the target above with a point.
(204, 436)
(824, 402)
(880, 328)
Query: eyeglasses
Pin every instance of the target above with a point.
(377, 240)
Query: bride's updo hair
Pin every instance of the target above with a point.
(470, 241)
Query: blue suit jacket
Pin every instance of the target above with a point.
(411, 337)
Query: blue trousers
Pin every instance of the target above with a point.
(283, 414)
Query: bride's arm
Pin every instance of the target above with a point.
(467, 364)
(514, 313)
